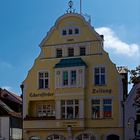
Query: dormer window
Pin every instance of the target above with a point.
(70, 31)
(76, 31)
(64, 32)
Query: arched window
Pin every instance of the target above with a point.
(56, 137)
(34, 138)
(85, 136)
(113, 137)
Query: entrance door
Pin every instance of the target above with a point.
(113, 137)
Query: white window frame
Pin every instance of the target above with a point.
(43, 71)
(102, 107)
(100, 74)
(44, 112)
(94, 116)
(66, 105)
(73, 28)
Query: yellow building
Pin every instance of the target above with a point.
(73, 91)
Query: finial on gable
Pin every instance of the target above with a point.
(70, 9)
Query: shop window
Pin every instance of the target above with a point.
(99, 76)
(43, 80)
(86, 136)
(56, 137)
(69, 109)
(34, 138)
(58, 52)
(45, 110)
(70, 51)
(95, 108)
(107, 108)
(82, 51)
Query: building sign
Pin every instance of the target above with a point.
(70, 123)
(43, 94)
(100, 90)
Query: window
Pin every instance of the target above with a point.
(107, 108)
(99, 76)
(64, 32)
(69, 109)
(70, 51)
(65, 78)
(95, 108)
(34, 138)
(85, 136)
(76, 31)
(82, 51)
(69, 78)
(70, 31)
(56, 137)
(43, 80)
(101, 108)
(73, 77)
(45, 110)
(58, 52)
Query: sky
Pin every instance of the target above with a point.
(24, 24)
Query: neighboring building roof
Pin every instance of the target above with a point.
(72, 62)
(10, 103)
(11, 96)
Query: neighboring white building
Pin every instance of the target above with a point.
(131, 113)
(10, 116)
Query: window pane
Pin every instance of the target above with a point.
(73, 77)
(107, 108)
(41, 83)
(65, 78)
(95, 108)
(97, 80)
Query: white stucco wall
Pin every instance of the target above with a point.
(4, 125)
(130, 114)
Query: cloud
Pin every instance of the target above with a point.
(113, 42)
(7, 88)
(4, 64)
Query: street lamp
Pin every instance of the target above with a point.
(135, 125)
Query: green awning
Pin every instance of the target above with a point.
(72, 62)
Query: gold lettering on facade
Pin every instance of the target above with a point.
(100, 90)
(40, 94)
